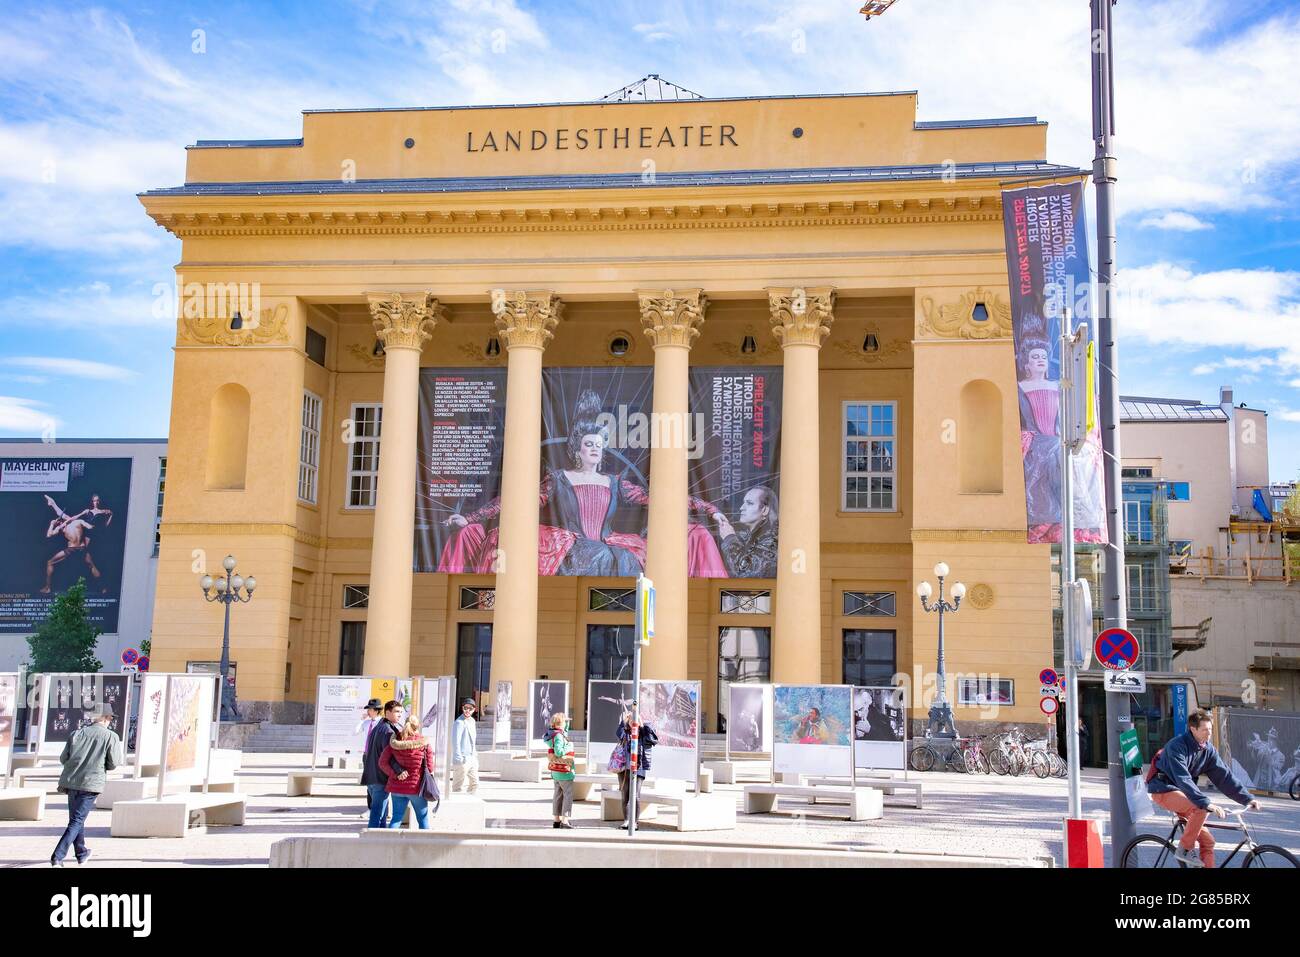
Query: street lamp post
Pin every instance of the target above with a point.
(227, 589)
(941, 720)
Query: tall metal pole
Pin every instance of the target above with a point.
(1067, 568)
(227, 693)
(1114, 599)
(635, 731)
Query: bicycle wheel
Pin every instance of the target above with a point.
(1039, 764)
(1149, 851)
(982, 762)
(956, 761)
(1295, 788)
(1017, 764)
(922, 758)
(999, 762)
(971, 762)
(1269, 855)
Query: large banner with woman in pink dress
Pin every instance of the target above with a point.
(1047, 258)
(598, 429)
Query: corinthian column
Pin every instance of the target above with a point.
(525, 322)
(672, 321)
(403, 322)
(801, 319)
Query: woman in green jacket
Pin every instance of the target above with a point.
(560, 763)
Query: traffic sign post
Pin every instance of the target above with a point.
(1049, 704)
(645, 631)
(1117, 649)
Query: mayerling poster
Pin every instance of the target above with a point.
(1047, 258)
(598, 429)
(63, 519)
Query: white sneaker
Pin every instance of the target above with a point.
(1188, 858)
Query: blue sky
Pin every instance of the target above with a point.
(97, 103)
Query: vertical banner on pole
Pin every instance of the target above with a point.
(1047, 259)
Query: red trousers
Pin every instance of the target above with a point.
(1195, 832)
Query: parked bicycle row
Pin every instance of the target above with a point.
(1006, 753)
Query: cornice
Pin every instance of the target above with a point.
(286, 216)
(1008, 535)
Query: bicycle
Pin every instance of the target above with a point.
(1295, 788)
(922, 758)
(1151, 850)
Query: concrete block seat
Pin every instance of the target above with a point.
(22, 804)
(584, 783)
(862, 804)
(23, 759)
(733, 770)
(176, 815)
(529, 770)
(491, 761)
(887, 785)
(299, 782)
(137, 789)
(695, 812)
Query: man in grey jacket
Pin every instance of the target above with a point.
(87, 758)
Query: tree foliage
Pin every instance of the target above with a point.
(65, 640)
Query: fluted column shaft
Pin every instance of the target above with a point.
(671, 319)
(403, 322)
(525, 323)
(801, 319)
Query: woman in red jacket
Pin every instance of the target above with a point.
(405, 760)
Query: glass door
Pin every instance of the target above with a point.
(352, 648)
(473, 663)
(744, 657)
(609, 652)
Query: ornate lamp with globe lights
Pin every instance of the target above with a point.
(228, 589)
(941, 720)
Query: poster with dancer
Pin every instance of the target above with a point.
(749, 719)
(545, 698)
(672, 708)
(8, 719)
(501, 714)
(598, 428)
(67, 698)
(812, 729)
(64, 520)
(879, 729)
(187, 731)
(1047, 260)
(1262, 747)
(607, 701)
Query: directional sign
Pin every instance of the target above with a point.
(1047, 676)
(1116, 649)
(1133, 682)
(129, 669)
(1048, 705)
(1049, 691)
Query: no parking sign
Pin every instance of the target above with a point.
(1116, 649)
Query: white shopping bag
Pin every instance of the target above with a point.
(1140, 805)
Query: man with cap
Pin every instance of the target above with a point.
(373, 710)
(87, 758)
(464, 755)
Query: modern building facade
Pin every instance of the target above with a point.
(80, 509)
(853, 254)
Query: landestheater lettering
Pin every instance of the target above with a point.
(601, 138)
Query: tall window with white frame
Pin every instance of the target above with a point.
(309, 448)
(157, 518)
(870, 466)
(363, 456)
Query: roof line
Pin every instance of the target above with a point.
(36, 439)
(760, 177)
(522, 106)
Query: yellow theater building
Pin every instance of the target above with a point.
(834, 240)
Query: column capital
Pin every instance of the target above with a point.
(672, 317)
(526, 318)
(801, 315)
(404, 320)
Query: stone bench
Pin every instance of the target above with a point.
(137, 789)
(695, 812)
(731, 771)
(529, 770)
(888, 785)
(176, 815)
(583, 784)
(22, 804)
(491, 761)
(23, 759)
(299, 783)
(863, 804)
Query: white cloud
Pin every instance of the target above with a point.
(1177, 221)
(1247, 310)
(25, 415)
(74, 368)
(1288, 416)
(94, 306)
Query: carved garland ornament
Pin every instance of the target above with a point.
(673, 319)
(956, 320)
(269, 325)
(526, 318)
(404, 321)
(802, 316)
(888, 350)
